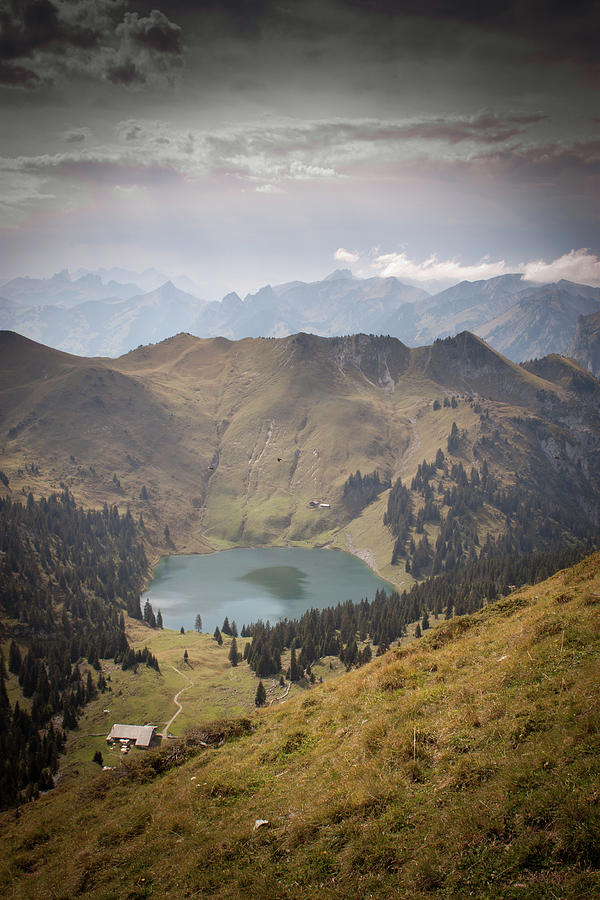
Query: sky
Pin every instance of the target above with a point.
(241, 142)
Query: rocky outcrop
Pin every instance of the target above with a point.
(585, 345)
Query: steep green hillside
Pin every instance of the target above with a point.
(227, 443)
(464, 765)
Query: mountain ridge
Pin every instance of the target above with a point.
(228, 442)
(519, 318)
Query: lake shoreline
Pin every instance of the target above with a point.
(251, 583)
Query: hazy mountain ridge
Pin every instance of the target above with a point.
(62, 290)
(542, 321)
(83, 315)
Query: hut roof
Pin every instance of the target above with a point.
(141, 734)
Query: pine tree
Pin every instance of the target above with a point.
(261, 695)
(98, 758)
(217, 636)
(295, 670)
(226, 628)
(149, 616)
(453, 438)
(233, 653)
(14, 658)
(159, 619)
(90, 688)
(198, 623)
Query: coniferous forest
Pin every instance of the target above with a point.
(66, 577)
(334, 631)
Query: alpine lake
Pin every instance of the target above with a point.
(251, 584)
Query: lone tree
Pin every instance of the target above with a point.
(182, 630)
(234, 656)
(185, 656)
(198, 623)
(296, 671)
(159, 621)
(261, 695)
(98, 758)
(453, 438)
(149, 616)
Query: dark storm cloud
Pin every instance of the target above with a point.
(41, 40)
(17, 76)
(154, 31)
(125, 72)
(558, 30)
(77, 135)
(37, 24)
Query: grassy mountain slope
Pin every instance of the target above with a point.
(464, 765)
(232, 440)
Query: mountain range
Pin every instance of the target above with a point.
(91, 316)
(224, 442)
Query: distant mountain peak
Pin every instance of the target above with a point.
(232, 297)
(63, 275)
(339, 275)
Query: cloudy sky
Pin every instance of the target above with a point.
(246, 141)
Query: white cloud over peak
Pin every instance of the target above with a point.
(434, 269)
(581, 266)
(346, 256)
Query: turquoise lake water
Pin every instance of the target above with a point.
(247, 585)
